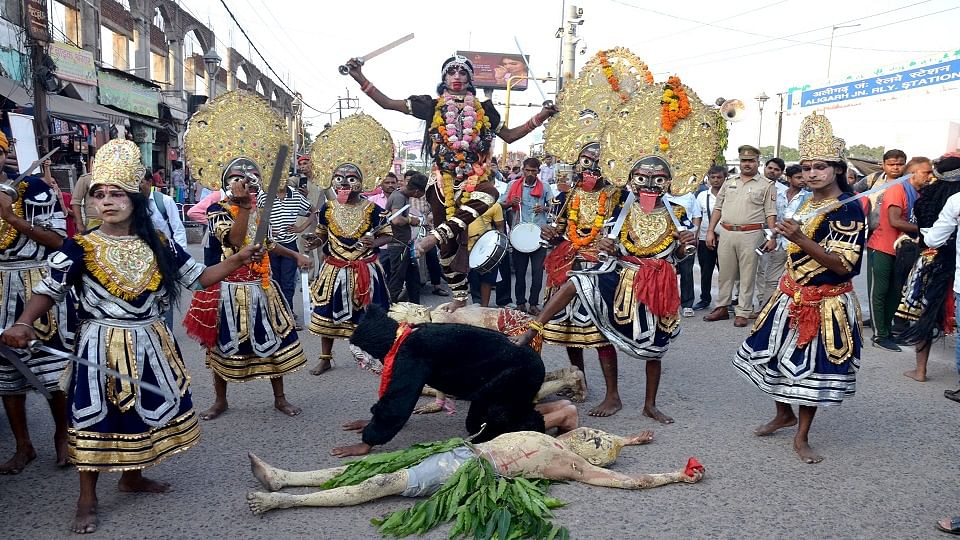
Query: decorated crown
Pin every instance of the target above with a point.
(684, 135)
(358, 140)
(817, 141)
(236, 124)
(589, 101)
(117, 163)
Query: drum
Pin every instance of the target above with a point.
(525, 237)
(488, 251)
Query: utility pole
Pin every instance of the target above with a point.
(776, 149)
(347, 104)
(35, 20)
(569, 45)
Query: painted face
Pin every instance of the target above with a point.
(597, 447)
(113, 204)
(818, 174)
(347, 180)
(243, 168)
(456, 78)
(588, 166)
(650, 175)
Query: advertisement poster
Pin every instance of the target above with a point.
(490, 70)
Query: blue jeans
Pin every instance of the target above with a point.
(284, 271)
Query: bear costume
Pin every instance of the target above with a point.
(499, 378)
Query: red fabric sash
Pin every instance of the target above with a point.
(560, 261)
(655, 286)
(516, 189)
(403, 332)
(362, 288)
(805, 309)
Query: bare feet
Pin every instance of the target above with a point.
(608, 407)
(19, 461)
(428, 408)
(453, 305)
(260, 503)
(85, 521)
(806, 454)
(264, 473)
(60, 441)
(359, 449)
(916, 375)
(356, 425)
(135, 482)
(771, 427)
(644, 437)
(323, 366)
(218, 408)
(281, 404)
(651, 411)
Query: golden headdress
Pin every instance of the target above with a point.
(233, 125)
(410, 313)
(684, 134)
(118, 163)
(589, 101)
(358, 140)
(817, 141)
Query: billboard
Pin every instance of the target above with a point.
(490, 70)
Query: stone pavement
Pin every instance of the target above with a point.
(889, 472)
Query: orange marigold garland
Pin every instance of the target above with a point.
(573, 234)
(611, 76)
(674, 104)
(263, 267)
(459, 125)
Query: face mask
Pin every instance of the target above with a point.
(647, 200)
(589, 181)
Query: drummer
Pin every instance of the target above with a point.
(481, 284)
(528, 201)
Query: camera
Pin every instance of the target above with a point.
(303, 182)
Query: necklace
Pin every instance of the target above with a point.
(124, 265)
(651, 233)
(573, 233)
(348, 220)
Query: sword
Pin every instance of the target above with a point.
(9, 188)
(11, 356)
(376, 52)
(392, 216)
(264, 225)
(36, 164)
(829, 208)
(688, 249)
(618, 224)
(305, 291)
(546, 102)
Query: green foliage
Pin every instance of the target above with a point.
(862, 151)
(387, 462)
(481, 506)
(787, 153)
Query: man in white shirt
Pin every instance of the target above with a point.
(685, 267)
(707, 257)
(548, 171)
(166, 220)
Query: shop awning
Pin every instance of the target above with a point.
(13, 91)
(74, 110)
(149, 122)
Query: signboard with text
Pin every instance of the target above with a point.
(73, 64)
(490, 70)
(916, 78)
(128, 96)
(36, 20)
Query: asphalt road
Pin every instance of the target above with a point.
(890, 469)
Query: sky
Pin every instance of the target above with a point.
(734, 49)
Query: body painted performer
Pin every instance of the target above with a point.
(350, 157)
(788, 354)
(574, 136)
(244, 322)
(30, 228)
(632, 298)
(124, 275)
(452, 473)
(499, 378)
(459, 139)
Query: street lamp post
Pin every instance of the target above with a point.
(830, 50)
(506, 113)
(761, 99)
(211, 61)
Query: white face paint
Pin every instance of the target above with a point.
(113, 204)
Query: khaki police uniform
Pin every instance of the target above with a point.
(744, 205)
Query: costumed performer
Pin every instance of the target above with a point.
(586, 106)
(244, 321)
(457, 473)
(633, 298)
(350, 157)
(926, 303)
(30, 227)
(499, 378)
(459, 138)
(124, 275)
(804, 348)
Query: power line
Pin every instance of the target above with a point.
(699, 23)
(250, 41)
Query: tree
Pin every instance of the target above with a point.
(786, 153)
(867, 153)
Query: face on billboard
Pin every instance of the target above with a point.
(491, 70)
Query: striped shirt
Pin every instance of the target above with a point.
(285, 213)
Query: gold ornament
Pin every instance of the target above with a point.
(118, 163)
(235, 124)
(589, 101)
(358, 140)
(410, 313)
(817, 142)
(636, 131)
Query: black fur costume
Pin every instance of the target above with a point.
(498, 378)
